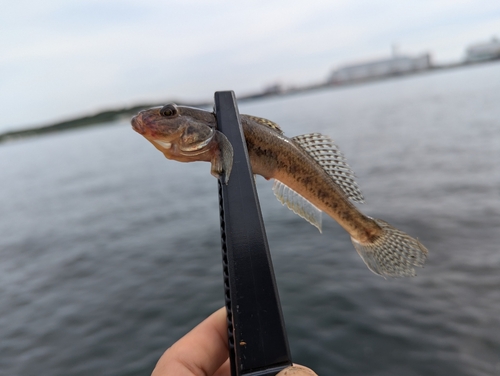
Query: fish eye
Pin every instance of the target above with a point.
(169, 110)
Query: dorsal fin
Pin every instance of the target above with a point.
(298, 204)
(266, 122)
(324, 151)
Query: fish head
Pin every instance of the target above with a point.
(180, 133)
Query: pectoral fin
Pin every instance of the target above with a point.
(222, 160)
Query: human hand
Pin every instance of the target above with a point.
(204, 351)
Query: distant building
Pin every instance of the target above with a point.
(396, 65)
(484, 51)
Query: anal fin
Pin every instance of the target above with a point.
(298, 204)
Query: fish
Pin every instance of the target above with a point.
(310, 173)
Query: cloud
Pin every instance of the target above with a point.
(61, 58)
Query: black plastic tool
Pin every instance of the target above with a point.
(258, 344)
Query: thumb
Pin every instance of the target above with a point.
(297, 370)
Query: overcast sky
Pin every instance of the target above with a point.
(62, 58)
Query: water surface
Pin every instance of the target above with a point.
(109, 252)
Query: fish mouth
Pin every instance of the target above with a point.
(138, 124)
(188, 150)
(163, 144)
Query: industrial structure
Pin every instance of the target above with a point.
(483, 51)
(396, 65)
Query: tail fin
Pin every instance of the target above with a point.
(392, 254)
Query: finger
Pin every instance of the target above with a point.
(224, 370)
(200, 352)
(297, 370)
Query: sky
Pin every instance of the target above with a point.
(61, 59)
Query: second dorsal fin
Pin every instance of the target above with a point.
(324, 151)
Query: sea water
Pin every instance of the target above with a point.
(109, 252)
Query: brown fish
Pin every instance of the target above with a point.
(311, 176)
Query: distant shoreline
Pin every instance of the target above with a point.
(114, 114)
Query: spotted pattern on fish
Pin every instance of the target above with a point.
(393, 253)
